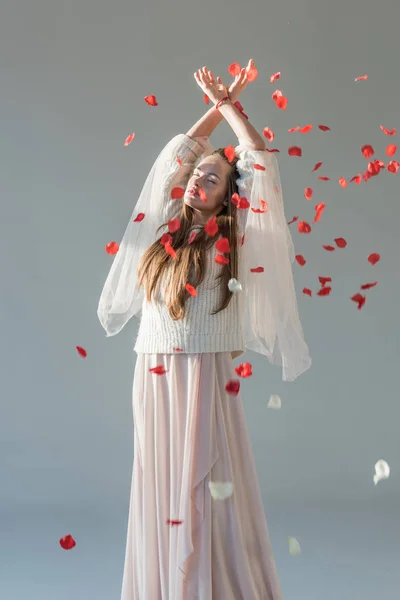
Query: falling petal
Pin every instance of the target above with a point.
(374, 258)
(393, 166)
(368, 286)
(324, 291)
(306, 129)
(129, 139)
(340, 242)
(357, 179)
(274, 77)
(234, 69)
(295, 151)
(297, 128)
(303, 227)
(229, 152)
(275, 402)
(382, 471)
(308, 193)
(67, 542)
(343, 182)
(329, 248)
(281, 102)
(294, 219)
(112, 248)
(324, 178)
(192, 291)
(307, 291)
(234, 285)
(244, 370)
(317, 166)
(319, 209)
(300, 259)
(232, 387)
(367, 150)
(359, 299)
(362, 78)
(268, 133)
(174, 225)
(177, 193)
(387, 132)
(294, 546)
(257, 270)
(151, 100)
(391, 150)
(158, 370)
(220, 490)
(206, 99)
(324, 128)
(252, 74)
(324, 280)
(81, 351)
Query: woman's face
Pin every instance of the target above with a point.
(211, 176)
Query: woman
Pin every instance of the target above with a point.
(206, 259)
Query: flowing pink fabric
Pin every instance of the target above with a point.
(189, 431)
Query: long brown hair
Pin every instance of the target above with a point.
(189, 264)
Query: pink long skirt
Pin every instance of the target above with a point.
(181, 542)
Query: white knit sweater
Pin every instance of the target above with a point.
(199, 331)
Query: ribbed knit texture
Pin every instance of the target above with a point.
(199, 331)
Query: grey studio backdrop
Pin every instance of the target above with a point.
(73, 78)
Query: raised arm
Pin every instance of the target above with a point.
(246, 133)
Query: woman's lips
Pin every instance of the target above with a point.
(193, 193)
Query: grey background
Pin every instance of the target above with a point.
(73, 78)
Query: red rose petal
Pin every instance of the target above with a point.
(294, 129)
(391, 150)
(211, 227)
(67, 542)
(362, 78)
(151, 100)
(329, 248)
(169, 249)
(139, 217)
(206, 99)
(324, 178)
(367, 286)
(367, 150)
(252, 74)
(319, 209)
(177, 193)
(303, 227)
(82, 351)
(343, 182)
(244, 370)
(317, 166)
(173, 522)
(308, 193)
(294, 219)
(259, 167)
(192, 291)
(306, 129)
(112, 248)
(340, 242)
(325, 291)
(203, 195)
(357, 179)
(281, 102)
(324, 128)
(307, 291)
(360, 299)
(263, 209)
(274, 77)
(374, 258)
(300, 259)
(295, 151)
(173, 225)
(232, 387)
(221, 260)
(272, 150)
(324, 280)
(229, 152)
(257, 270)
(268, 133)
(222, 245)
(158, 370)
(129, 139)
(234, 69)
(393, 166)
(387, 132)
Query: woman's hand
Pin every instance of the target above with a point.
(215, 90)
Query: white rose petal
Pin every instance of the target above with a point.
(234, 285)
(221, 489)
(275, 402)
(382, 471)
(294, 546)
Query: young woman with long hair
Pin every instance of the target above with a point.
(206, 263)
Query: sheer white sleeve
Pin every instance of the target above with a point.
(120, 298)
(272, 323)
